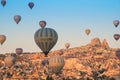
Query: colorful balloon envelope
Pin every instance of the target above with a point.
(67, 45)
(116, 23)
(17, 18)
(42, 24)
(56, 64)
(3, 2)
(46, 38)
(116, 36)
(19, 51)
(87, 31)
(9, 61)
(2, 39)
(31, 5)
(118, 53)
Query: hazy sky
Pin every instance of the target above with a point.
(68, 17)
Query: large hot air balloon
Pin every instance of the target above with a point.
(46, 38)
(116, 23)
(19, 51)
(87, 31)
(9, 61)
(116, 36)
(31, 5)
(2, 39)
(56, 63)
(67, 45)
(17, 18)
(118, 53)
(3, 2)
(42, 24)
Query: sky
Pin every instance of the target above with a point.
(69, 18)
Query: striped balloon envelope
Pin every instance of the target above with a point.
(56, 64)
(46, 38)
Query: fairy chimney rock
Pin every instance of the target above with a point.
(105, 44)
(95, 42)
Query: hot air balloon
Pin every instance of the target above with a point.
(116, 23)
(19, 51)
(35, 56)
(87, 31)
(17, 18)
(118, 53)
(31, 5)
(9, 61)
(2, 39)
(56, 63)
(45, 62)
(67, 45)
(3, 2)
(116, 36)
(46, 38)
(42, 24)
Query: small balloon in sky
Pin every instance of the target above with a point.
(17, 18)
(31, 5)
(42, 24)
(116, 36)
(67, 45)
(19, 51)
(116, 23)
(2, 39)
(3, 2)
(87, 31)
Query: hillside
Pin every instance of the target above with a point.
(94, 61)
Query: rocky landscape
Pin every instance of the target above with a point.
(94, 61)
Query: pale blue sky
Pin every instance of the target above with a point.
(68, 17)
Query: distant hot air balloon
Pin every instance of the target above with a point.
(116, 36)
(9, 61)
(17, 18)
(19, 51)
(87, 31)
(56, 64)
(31, 5)
(67, 45)
(46, 38)
(118, 53)
(35, 56)
(45, 62)
(2, 39)
(3, 2)
(42, 24)
(116, 23)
